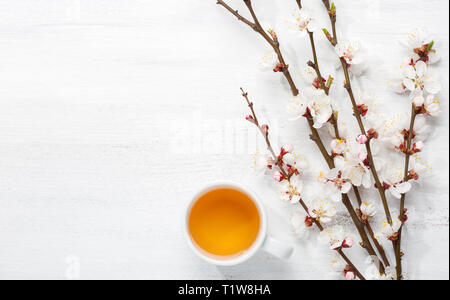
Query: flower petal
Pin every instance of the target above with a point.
(404, 187)
(421, 68)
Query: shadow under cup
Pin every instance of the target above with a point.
(224, 223)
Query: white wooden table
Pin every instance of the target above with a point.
(113, 112)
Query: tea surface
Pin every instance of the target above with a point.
(224, 222)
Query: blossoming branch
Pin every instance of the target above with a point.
(353, 162)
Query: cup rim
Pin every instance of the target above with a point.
(257, 244)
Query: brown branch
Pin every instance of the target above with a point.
(403, 198)
(315, 137)
(274, 43)
(333, 18)
(358, 117)
(316, 63)
(236, 14)
(283, 171)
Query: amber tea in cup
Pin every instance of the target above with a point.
(224, 222)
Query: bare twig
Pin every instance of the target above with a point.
(403, 198)
(274, 43)
(316, 64)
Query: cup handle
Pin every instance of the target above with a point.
(277, 248)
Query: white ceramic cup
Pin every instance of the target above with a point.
(262, 241)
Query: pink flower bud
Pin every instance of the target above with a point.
(350, 275)
(317, 83)
(265, 128)
(373, 134)
(280, 68)
(270, 163)
(362, 156)
(362, 139)
(347, 243)
(363, 109)
(250, 119)
(287, 148)
(278, 176)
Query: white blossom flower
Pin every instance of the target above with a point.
(397, 75)
(299, 226)
(429, 105)
(388, 231)
(297, 106)
(397, 140)
(372, 273)
(393, 181)
(368, 210)
(291, 190)
(294, 163)
(261, 162)
(322, 210)
(353, 54)
(269, 62)
(418, 168)
(354, 170)
(319, 106)
(309, 74)
(421, 128)
(420, 44)
(432, 106)
(370, 110)
(397, 135)
(304, 22)
(338, 146)
(391, 273)
(337, 266)
(336, 185)
(313, 102)
(333, 236)
(419, 77)
(416, 38)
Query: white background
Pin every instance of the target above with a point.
(113, 112)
